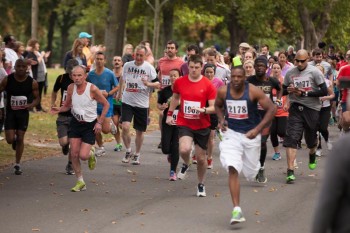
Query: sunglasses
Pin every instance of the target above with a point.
(301, 61)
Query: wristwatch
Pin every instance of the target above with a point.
(306, 93)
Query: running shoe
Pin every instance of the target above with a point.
(194, 159)
(260, 177)
(18, 170)
(329, 145)
(319, 152)
(65, 149)
(100, 151)
(127, 157)
(237, 217)
(69, 169)
(182, 173)
(201, 190)
(113, 128)
(92, 159)
(276, 156)
(135, 160)
(172, 176)
(160, 145)
(80, 186)
(210, 163)
(312, 161)
(290, 176)
(296, 164)
(118, 147)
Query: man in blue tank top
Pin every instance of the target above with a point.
(237, 108)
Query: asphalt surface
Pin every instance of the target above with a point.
(128, 198)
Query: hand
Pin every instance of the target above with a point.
(201, 110)
(286, 107)
(145, 81)
(251, 134)
(97, 128)
(170, 120)
(222, 125)
(164, 106)
(54, 110)
(105, 93)
(47, 54)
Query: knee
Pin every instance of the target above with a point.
(185, 151)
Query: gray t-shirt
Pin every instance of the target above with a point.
(135, 92)
(326, 66)
(309, 80)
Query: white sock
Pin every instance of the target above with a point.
(128, 149)
(237, 208)
(80, 178)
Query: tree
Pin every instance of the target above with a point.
(35, 18)
(157, 7)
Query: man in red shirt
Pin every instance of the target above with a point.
(344, 75)
(193, 92)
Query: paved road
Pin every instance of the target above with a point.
(127, 198)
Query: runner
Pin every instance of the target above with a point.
(20, 89)
(137, 80)
(64, 118)
(194, 91)
(240, 147)
(267, 85)
(82, 98)
(170, 134)
(105, 80)
(304, 84)
(117, 103)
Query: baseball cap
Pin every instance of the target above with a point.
(84, 35)
(244, 45)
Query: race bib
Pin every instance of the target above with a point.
(18, 102)
(303, 83)
(189, 111)
(78, 114)
(175, 115)
(165, 81)
(237, 109)
(259, 106)
(64, 97)
(132, 87)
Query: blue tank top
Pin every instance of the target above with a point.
(241, 114)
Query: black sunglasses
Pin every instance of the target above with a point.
(301, 61)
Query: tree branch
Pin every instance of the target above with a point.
(152, 7)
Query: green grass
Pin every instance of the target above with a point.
(42, 129)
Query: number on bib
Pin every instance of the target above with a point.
(237, 109)
(189, 111)
(18, 102)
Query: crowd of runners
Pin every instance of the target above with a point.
(240, 98)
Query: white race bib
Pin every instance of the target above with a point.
(303, 83)
(175, 115)
(132, 87)
(64, 97)
(237, 109)
(165, 81)
(189, 112)
(18, 102)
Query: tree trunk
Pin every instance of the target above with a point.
(168, 21)
(237, 33)
(35, 18)
(51, 28)
(145, 29)
(115, 28)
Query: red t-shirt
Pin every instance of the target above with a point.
(165, 65)
(193, 94)
(344, 73)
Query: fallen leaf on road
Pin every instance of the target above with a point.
(84, 210)
(156, 178)
(61, 221)
(52, 184)
(257, 212)
(114, 222)
(7, 177)
(133, 180)
(312, 175)
(215, 172)
(93, 181)
(54, 193)
(128, 171)
(107, 191)
(35, 229)
(217, 195)
(255, 191)
(273, 189)
(258, 221)
(142, 213)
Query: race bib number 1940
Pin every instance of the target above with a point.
(189, 111)
(237, 109)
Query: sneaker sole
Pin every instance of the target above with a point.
(82, 189)
(233, 222)
(125, 161)
(181, 176)
(201, 194)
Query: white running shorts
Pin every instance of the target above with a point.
(237, 151)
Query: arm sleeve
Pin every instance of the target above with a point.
(320, 92)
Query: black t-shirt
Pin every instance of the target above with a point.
(164, 96)
(265, 86)
(18, 93)
(62, 83)
(31, 55)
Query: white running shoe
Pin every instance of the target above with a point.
(329, 145)
(319, 152)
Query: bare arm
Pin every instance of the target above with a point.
(97, 95)
(53, 98)
(36, 96)
(220, 107)
(173, 104)
(330, 95)
(121, 88)
(3, 84)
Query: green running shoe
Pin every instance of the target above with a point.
(312, 161)
(80, 186)
(92, 160)
(290, 177)
(237, 217)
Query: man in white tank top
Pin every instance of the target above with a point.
(82, 98)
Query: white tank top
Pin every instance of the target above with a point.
(326, 103)
(84, 108)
